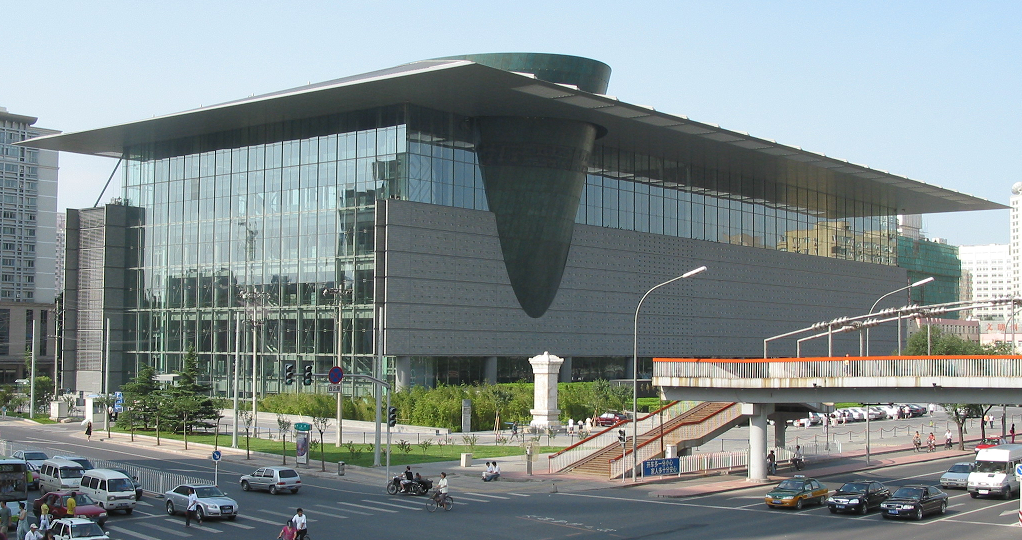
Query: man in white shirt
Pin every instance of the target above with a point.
(33, 533)
(492, 472)
(190, 510)
(441, 488)
(301, 525)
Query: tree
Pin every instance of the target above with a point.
(960, 413)
(188, 402)
(321, 420)
(283, 426)
(143, 395)
(246, 418)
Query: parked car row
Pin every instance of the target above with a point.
(859, 414)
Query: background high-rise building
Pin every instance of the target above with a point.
(989, 276)
(28, 228)
(58, 273)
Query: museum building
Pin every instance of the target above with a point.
(442, 221)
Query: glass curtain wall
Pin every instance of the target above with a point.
(274, 225)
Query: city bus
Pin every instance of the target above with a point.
(14, 474)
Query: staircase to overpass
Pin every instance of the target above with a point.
(600, 455)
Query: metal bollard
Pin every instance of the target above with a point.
(340, 468)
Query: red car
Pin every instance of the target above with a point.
(85, 507)
(990, 442)
(610, 418)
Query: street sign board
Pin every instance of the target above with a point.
(217, 455)
(333, 388)
(660, 467)
(1018, 470)
(336, 375)
(303, 426)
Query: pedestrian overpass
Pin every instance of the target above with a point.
(762, 384)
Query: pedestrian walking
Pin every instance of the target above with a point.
(771, 462)
(22, 521)
(301, 524)
(1012, 433)
(191, 509)
(917, 441)
(88, 431)
(5, 518)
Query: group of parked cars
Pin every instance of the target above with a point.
(859, 414)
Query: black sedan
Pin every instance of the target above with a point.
(915, 502)
(859, 496)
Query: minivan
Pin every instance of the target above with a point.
(995, 471)
(112, 490)
(58, 474)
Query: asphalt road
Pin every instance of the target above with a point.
(516, 510)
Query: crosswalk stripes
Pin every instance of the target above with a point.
(248, 517)
(401, 506)
(487, 496)
(517, 494)
(165, 529)
(237, 525)
(283, 515)
(364, 507)
(205, 526)
(462, 496)
(334, 509)
(130, 532)
(143, 503)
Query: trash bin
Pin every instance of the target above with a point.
(340, 468)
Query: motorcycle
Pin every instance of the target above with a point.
(415, 487)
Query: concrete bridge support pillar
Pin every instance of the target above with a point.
(757, 413)
(780, 427)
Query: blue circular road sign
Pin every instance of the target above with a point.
(216, 455)
(336, 375)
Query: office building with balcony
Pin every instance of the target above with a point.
(442, 221)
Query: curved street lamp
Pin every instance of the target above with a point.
(635, 369)
(919, 283)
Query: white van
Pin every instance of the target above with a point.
(59, 474)
(112, 490)
(995, 471)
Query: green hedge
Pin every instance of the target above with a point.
(441, 406)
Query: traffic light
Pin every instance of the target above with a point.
(621, 436)
(392, 417)
(307, 376)
(289, 374)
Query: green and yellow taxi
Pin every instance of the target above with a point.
(796, 493)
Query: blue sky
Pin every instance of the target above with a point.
(929, 90)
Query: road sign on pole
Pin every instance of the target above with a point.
(336, 375)
(333, 389)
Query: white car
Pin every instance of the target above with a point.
(811, 419)
(77, 529)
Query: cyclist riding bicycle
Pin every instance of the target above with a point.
(441, 489)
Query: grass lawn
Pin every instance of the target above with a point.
(401, 454)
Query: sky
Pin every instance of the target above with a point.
(930, 90)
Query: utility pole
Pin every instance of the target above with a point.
(31, 382)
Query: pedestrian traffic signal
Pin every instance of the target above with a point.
(289, 374)
(307, 376)
(392, 417)
(621, 436)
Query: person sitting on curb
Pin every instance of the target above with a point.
(492, 472)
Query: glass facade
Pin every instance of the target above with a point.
(274, 225)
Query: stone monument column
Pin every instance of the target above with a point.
(546, 368)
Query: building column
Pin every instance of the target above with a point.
(758, 413)
(402, 373)
(490, 370)
(545, 367)
(565, 371)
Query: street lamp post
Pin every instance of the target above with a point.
(635, 368)
(919, 283)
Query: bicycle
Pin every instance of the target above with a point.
(438, 500)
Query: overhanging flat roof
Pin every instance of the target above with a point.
(470, 89)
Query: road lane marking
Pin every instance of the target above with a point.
(518, 494)
(334, 509)
(164, 529)
(205, 527)
(394, 505)
(462, 496)
(283, 515)
(238, 525)
(130, 532)
(1006, 512)
(985, 523)
(485, 495)
(947, 517)
(143, 503)
(364, 507)
(261, 520)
